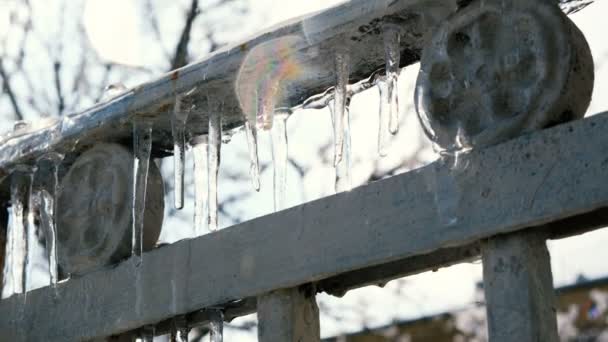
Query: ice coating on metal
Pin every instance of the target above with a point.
(498, 69)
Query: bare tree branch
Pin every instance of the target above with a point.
(6, 86)
(57, 78)
(181, 51)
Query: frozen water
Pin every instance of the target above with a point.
(252, 146)
(180, 330)
(147, 333)
(342, 168)
(216, 327)
(201, 183)
(342, 64)
(178, 129)
(279, 157)
(393, 53)
(48, 209)
(17, 234)
(214, 149)
(142, 147)
(384, 114)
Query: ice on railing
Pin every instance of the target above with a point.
(17, 237)
(48, 211)
(147, 334)
(142, 148)
(216, 326)
(200, 146)
(178, 129)
(392, 50)
(279, 157)
(252, 146)
(179, 329)
(214, 150)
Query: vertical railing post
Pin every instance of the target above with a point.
(520, 300)
(289, 315)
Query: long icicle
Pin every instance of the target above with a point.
(216, 326)
(214, 151)
(142, 147)
(342, 169)
(342, 64)
(391, 35)
(199, 146)
(179, 329)
(279, 157)
(252, 145)
(147, 333)
(383, 119)
(178, 129)
(48, 211)
(20, 180)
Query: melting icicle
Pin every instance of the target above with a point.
(201, 183)
(147, 333)
(252, 145)
(179, 330)
(343, 181)
(279, 157)
(340, 98)
(142, 147)
(392, 52)
(214, 149)
(178, 129)
(20, 184)
(384, 114)
(216, 327)
(48, 209)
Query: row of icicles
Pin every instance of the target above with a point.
(206, 153)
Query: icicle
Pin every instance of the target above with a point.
(201, 183)
(20, 185)
(214, 149)
(142, 147)
(342, 168)
(340, 96)
(216, 327)
(178, 129)
(147, 333)
(252, 146)
(392, 52)
(48, 210)
(180, 329)
(279, 157)
(383, 120)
